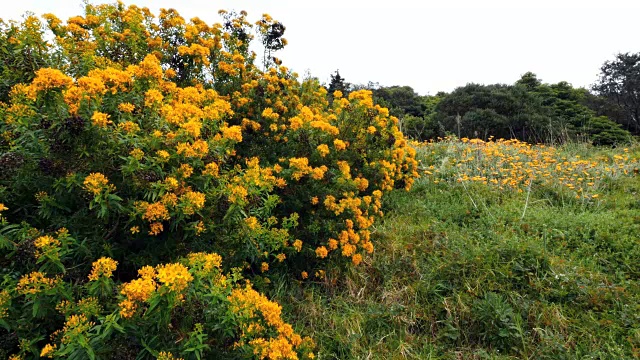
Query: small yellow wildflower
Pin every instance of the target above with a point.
(322, 252)
(323, 149)
(175, 276)
(297, 245)
(48, 350)
(211, 169)
(101, 119)
(126, 107)
(103, 267)
(339, 144)
(232, 133)
(137, 154)
(95, 183)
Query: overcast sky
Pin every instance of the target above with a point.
(429, 45)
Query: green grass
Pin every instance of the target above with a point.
(460, 273)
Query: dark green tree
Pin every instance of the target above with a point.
(401, 100)
(529, 80)
(619, 82)
(505, 111)
(338, 83)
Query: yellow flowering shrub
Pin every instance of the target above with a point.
(129, 145)
(158, 308)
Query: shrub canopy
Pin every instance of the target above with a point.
(149, 164)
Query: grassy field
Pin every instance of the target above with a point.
(500, 251)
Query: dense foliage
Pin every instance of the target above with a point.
(618, 84)
(528, 110)
(149, 165)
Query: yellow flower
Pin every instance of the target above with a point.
(5, 297)
(193, 127)
(200, 228)
(206, 261)
(361, 183)
(237, 193)
(337, 94)
(149, 68)
(147, 272)
(127, 308)
(269, 114)
(3, 208)
(134, 229)
(297, 245)
(155, 228)
(35, 283)
(163, 154)
(322, 252)
(232, 133)
(137, 154)
(192, 201)
(103, 267)
(175, 276)
(318, 173)
(152, 97)
(171, 182)
(170, 74)
(156, 211)
(48, 350)
(304, 274)
(339, 144)
(126, 107)
(101, 119)
(211, 169)
(74, 326)
(199, 149)
(95, 183)
(46, 242)
(186, 170)
(323, 149)
(48, 79)
(139, 289)
(163, 355)
(264, 267)
(252, 222)
(129, 127)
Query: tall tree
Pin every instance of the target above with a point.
(338, 83)
(619, 82)
(401, 100)
(529, 80)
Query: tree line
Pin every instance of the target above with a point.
(606, 114)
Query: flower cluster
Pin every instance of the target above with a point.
(96, 183)
(103, 267)
(260, 314)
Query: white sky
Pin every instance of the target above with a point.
(428, 45)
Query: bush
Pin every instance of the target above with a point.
(604, 132)
(155, 139)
